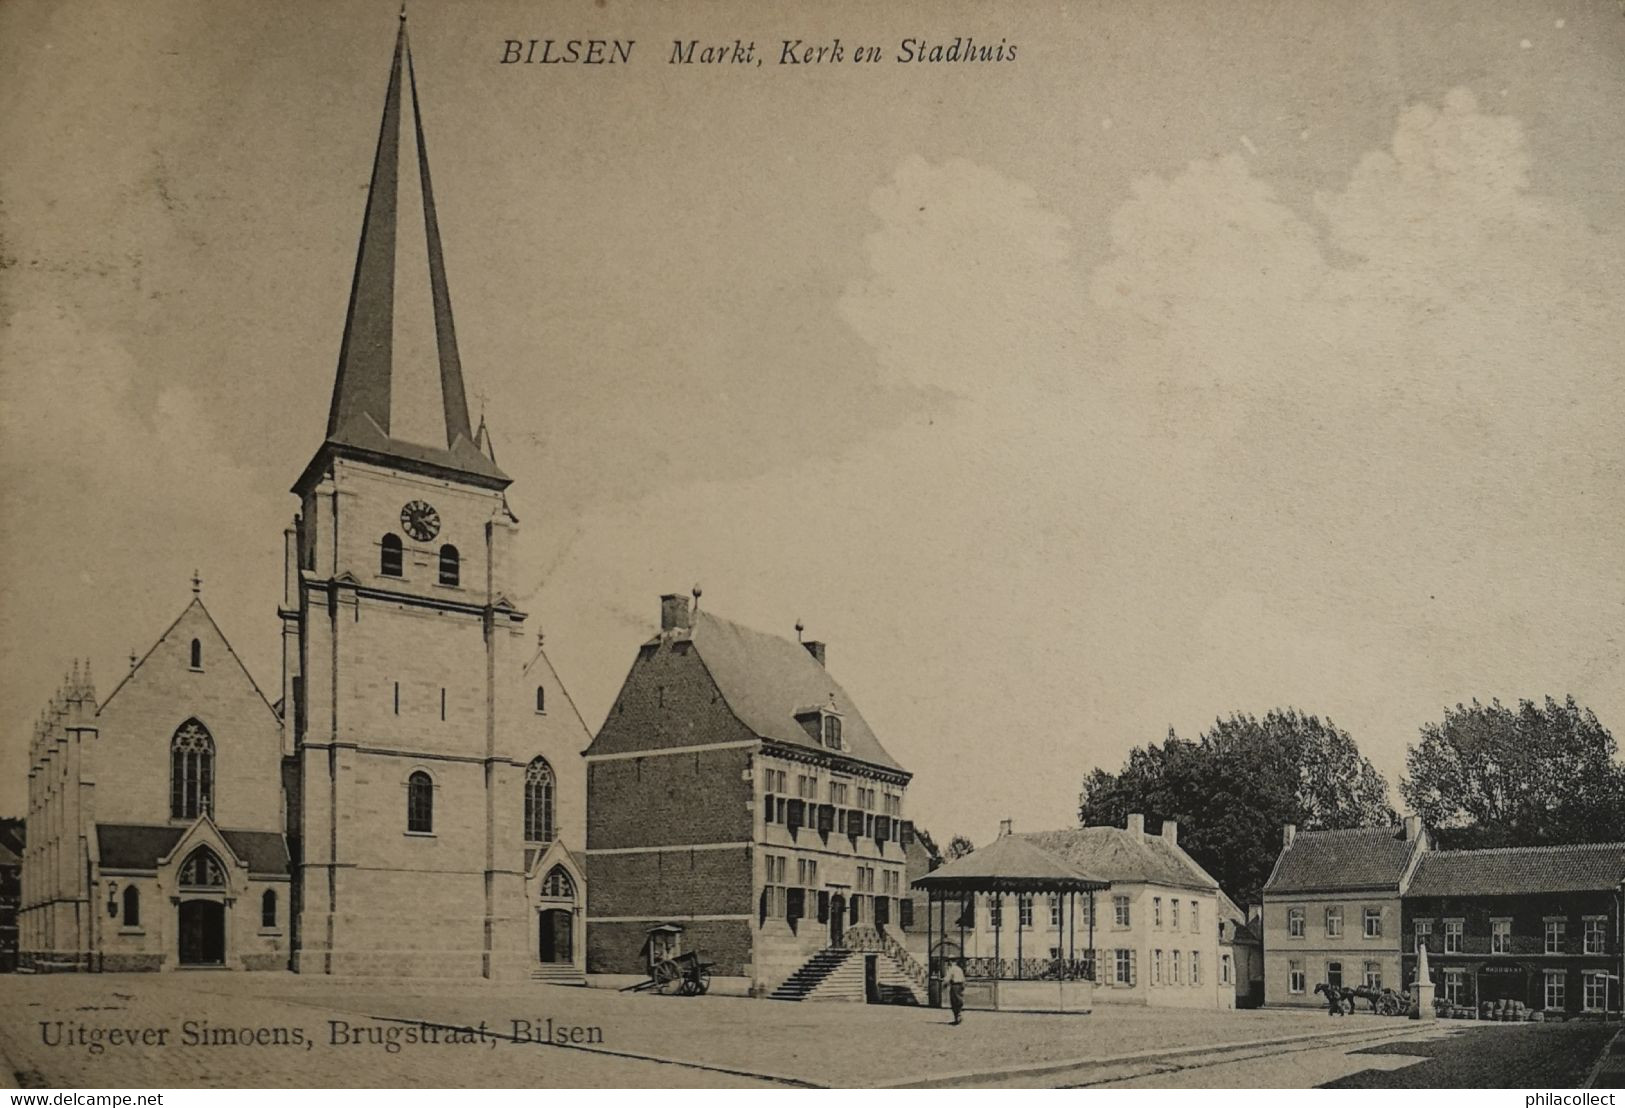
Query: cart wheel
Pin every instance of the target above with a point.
(668, 978)
(703, 984)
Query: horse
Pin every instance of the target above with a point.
(1339, 1000)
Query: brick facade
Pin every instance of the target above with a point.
(713, 807)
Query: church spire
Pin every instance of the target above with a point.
(359, 416)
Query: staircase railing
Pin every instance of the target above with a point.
(871, 940)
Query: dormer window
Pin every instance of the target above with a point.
(832, 731)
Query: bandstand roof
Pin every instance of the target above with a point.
(1009, 864)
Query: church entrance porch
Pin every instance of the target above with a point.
(202, 933)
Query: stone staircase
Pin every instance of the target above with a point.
(813, 973)
(837, 973)
(558, 973)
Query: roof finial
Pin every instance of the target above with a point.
(133, 661)
(403, 11)
(197, 584)
(799, 630)
(697, 593)
(541, 638)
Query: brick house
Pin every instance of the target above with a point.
(1332, 910)
(1539, 925)
(737, 798)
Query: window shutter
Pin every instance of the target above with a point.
(905, 914)
(854, 823)
(826, 818)
(823, 907)
(767, 810)
(855, 903)
(882, 829)
(1133, 967)
(761, 918)
(882, 910)
(905, 833)
(794, 903)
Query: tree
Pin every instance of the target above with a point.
(1237, 784)
(933, 853)
(958, 847)
(1488, 775)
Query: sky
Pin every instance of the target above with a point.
(1204, 358)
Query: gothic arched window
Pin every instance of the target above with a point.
(450, 565)
(420, 802)
(558, 884)
(132, 906)
(197, 654)
(191, 772)
(203, 870)
(539, 802)
(389, 556)
(541, 699)
(268, 909)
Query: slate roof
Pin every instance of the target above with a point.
(767, 680)
(1010, 862)
(1121, 856)
(1362, 858)
(358, 421)
(1510, 871)
(139, 846)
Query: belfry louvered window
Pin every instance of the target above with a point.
(191, 772)
(390, 559)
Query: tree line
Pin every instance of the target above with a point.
(1485, 775)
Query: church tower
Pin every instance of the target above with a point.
(419, 756)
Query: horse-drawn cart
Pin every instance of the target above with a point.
(686, 974)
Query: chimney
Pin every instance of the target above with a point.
(674, 612)
(1413, 828)
(1136, 824)
(1288, 834)
(816, 649)
(1005, 827)
(1170, 832)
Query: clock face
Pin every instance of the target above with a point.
(420, 520)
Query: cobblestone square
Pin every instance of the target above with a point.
(58, 1031)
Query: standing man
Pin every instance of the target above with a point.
(956, 987)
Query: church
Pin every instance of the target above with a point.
(412, 803)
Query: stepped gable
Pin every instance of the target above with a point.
(1360, 858)
(1521, 870)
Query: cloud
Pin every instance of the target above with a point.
(111, 503)
(1364, 458)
